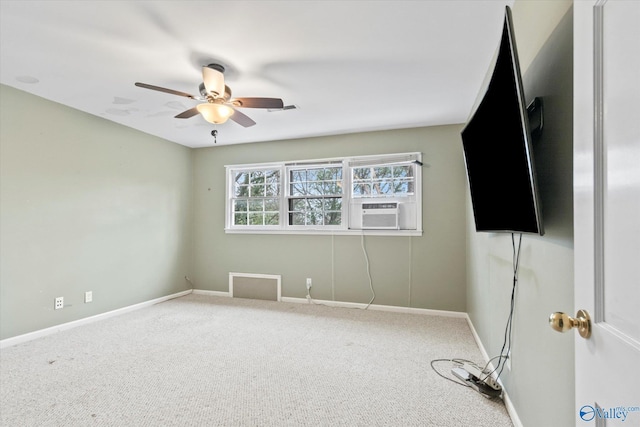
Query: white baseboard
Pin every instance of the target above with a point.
(211, 293)
(19, 339)
(511, 410)
(343, 304)
(376, 307)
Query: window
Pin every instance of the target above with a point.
(328, 194)
(315, 196)
(256, 197)
(383, 181)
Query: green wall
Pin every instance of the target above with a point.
(540, 382)
(86, 205)
(89, 205)
(426, 271)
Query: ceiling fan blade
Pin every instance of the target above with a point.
(189, 113)
(162, 89)
(273, 103)
(242, 119)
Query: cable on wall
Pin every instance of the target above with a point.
(506, 344)
(333, 269)
(368, 269)
(410, 269)
(190, 282)
(366, 258)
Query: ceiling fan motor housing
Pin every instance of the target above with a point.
(217, 67)
(213, 78)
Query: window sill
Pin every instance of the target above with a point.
(334, 232)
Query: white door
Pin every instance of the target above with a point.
(607, 210)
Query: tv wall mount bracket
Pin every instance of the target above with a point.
(535, 111)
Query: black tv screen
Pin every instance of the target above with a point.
(497, 149)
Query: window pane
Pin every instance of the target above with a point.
(271, 218)
(241, 191)
(315, 204)
(382, 172)
(336, 173)
(272, 190)
(333, 218)
(401, 171)
(314, 218)
(297, 218)
(332, 187)
(256, 205)
(257, 190)
(271, 205)
(272, 177)
(382, 188)
(239, 205)
(361, 189)
(312, 174)
(257, 177)
(361, 173)
(298, 188)
(326, 174)
(333, 204)
(298, 176)
(256, 218)
(400, 187)
(242, 178)
(298, 205)
(315, 189)
(240, 219)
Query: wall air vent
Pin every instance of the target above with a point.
(255, 286)
(285, 108)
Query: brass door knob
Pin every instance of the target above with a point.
(562, 322)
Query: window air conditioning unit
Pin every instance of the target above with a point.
(380, 216)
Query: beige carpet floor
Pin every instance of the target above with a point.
(215, 361)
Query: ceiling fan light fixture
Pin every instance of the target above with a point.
(213, 78)
(215, 113)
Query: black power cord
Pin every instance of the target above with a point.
(508, 329)
(506, 344)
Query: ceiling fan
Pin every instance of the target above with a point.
(218, 105)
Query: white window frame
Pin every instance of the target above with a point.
(231, 194)
(288, 196)
(350, 204)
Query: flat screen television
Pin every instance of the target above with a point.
(498, 152)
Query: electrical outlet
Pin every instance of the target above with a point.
(88, 296)
(59, 303)
(309, 284)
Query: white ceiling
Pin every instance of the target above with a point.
(349, 66)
